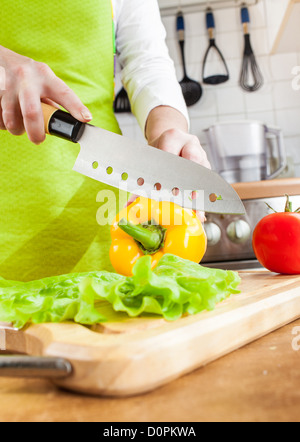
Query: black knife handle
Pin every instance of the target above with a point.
(62, 124)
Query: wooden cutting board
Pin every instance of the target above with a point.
(135, 356)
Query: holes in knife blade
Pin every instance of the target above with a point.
(109, 170)
(124, 176)
(95, 165)
(213, 197)
(175, 191)
(157, 186)
(141, 181)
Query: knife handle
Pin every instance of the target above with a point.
(62, 124)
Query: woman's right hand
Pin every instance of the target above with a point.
(27, 83)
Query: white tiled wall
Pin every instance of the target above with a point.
(276, 103)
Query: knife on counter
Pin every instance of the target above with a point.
(142, 169)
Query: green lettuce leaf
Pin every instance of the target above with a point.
(53, 299)
(175, 287)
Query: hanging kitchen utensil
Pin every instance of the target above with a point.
(122, 103)
(250, 67)
(192, 90)
(217, 78)
(126, 164)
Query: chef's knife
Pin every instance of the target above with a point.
(141, 169)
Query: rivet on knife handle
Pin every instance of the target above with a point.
(62, 124)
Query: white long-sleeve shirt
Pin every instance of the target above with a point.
(148, 73)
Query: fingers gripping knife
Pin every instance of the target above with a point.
(141, 169)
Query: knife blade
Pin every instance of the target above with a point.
(142, 169)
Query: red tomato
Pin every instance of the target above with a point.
(276, 243)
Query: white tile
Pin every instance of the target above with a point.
(230, 101)
(285, 96)
(292, 145)
(196, 48)
(282, 65)
(289, 121)
(234, 67)
(259, 41)
(261, 100)
(231, 44)
(296, 78)
(267, 118)
(263, 63)
(232, 117)
(297, 170)
(195, 24)
(199, 124)
(227, 20)
(207, 106)
(257, 15)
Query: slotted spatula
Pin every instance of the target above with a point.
(141, 169)
(122, 104)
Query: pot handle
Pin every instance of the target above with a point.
(34, 367)
(281, 152)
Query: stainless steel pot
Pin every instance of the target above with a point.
(244, 151)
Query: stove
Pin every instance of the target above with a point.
(230, 237)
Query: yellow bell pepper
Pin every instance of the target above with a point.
(148, 227)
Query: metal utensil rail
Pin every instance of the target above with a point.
(191, 6)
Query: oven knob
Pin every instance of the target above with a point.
(239, 231)
(213, 233)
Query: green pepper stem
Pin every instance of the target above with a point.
(149, 237)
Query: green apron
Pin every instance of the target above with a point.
(48, 212)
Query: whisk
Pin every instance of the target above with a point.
(251, 78)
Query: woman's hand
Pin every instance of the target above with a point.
(167, 129)
(182, 144)
(27, 83)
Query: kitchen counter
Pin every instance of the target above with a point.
(259, 382)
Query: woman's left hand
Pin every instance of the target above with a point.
(182, 144)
